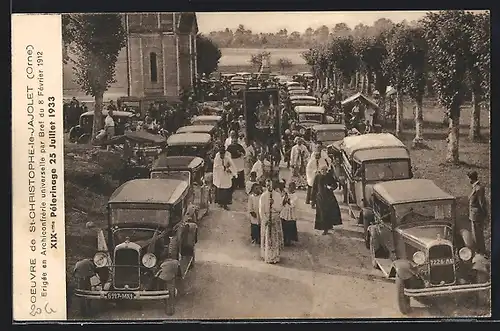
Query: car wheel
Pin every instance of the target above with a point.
(403, 300)
(373, 252)
(173, 248)
(483, 298)
(84, 139)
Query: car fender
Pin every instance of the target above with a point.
(403, 268)
(480, 263)
(168, 270)
(84, 269)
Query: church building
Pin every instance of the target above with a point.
(161, 54)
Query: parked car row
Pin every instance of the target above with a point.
(410, 224)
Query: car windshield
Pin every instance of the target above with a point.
(138, 215)
(304, 103)
(332, 135)
(141, 236)
(423, 211)
(191, 150)
(389, 170)
(318, 118)
(167, 174)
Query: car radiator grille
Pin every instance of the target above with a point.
(444, 273)
(127, 269)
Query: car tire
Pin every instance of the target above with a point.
(403, 300)
(84, 139)
(483, 298)
(372, 252)
(173, 248)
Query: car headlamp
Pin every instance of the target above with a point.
(465, 253)
(101, 259)
(149, 260)
(419, 258)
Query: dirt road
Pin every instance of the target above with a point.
(320, 277)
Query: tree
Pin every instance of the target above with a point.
(257, 59)
(284, 63)
(449, 52)
(479, 70)
(95, 40)
(341, 30)
(208, 55)
(343, 58)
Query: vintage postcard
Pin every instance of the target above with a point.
(251, 165)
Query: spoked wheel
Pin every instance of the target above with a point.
(403, 300)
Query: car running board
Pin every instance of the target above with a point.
(385, 266)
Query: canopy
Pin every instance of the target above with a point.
(362, 98)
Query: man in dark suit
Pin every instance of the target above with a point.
(477, 211)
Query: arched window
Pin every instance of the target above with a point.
(154, 67)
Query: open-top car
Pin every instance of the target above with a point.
(82, 132)
(327, 134)
(369, 159)
(194, 168)
(413, 237)
(147, 248)
(192, 144)
(206, 120)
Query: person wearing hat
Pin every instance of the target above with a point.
(327, 207)
(478, 212)
(223, 172)
(299, 156)
(253, 211)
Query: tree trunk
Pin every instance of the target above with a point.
(363, 83)
(369, 83)
(399, 113)
(380, 113)
(356, 80)
(453, 134)
(419, 122)
(353, 82)
(97, 126)
(475, 121)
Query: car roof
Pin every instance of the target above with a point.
(177, 162)
(150, 191)
(188, 138)
(370, 141)
(115, 113)
(310, 109)
(207, 118)
(292, 83)
(410, 190)
(196, 128)
(329, 127)
(382, 154)
(302, 97)
(297, 92)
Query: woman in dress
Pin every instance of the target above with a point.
(271, 231)
(288, 215)
(327, 207)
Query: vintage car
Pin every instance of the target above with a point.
(290, 84)
(192, 144)
(193, 167)
(327, 134)
(82, 132)
(206, 120)
(414, 239)
(302, 100)
(210, 129)
(237, 86)
(297, 91)
(147, 248)
(366, 160)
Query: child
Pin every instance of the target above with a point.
(288, 215)
(250, 182)
(253, 210)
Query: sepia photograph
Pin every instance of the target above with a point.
(276, 165)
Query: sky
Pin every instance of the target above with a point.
(296, 21)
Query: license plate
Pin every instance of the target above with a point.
(442, 261)
(120, 295)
